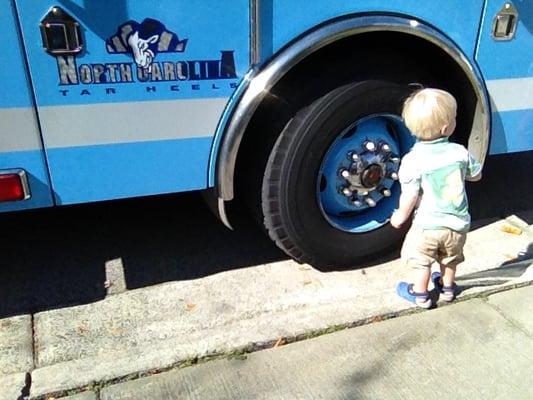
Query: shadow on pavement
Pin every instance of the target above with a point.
(503, 274)
(56, 257)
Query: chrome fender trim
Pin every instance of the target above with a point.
(260, 82)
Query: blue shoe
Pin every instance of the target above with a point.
(446, 293)
(435, 278)
(405, 291)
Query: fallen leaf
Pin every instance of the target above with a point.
(307, 283)
(116, 330)
(5, 324)
(510, 257)
(82, 329)
(279, 342)
(377, 318)
(511, 229)
(190, 306)
(107, 284)
(304, 268)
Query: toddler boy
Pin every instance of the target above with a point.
(432, 177)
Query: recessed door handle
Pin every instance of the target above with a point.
(504, 23)
(61, 33)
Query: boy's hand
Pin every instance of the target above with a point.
(396, 220)
(407, 204)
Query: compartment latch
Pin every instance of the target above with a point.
(61, 33)
(504, 24)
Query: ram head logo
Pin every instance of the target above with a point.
(144, 41)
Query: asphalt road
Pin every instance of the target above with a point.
(57, 257)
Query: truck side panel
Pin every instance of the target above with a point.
(507, 66)
(113, 129)
(285, 20)
(508, 70)
(20, 143)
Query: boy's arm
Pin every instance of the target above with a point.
(410, 181)
(407, 204)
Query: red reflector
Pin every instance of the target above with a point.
(11, 188)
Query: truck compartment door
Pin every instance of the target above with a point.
(20, 140)
(129, 92)
(505, 56)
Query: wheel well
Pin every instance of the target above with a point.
(392, 56)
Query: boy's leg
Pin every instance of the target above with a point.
(451, 254)
(416, 292)
(448, 274)
(439, 278)
(447, 290)
(419, 252)
(421, 278)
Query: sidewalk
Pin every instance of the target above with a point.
(476, 349)
(145, 330)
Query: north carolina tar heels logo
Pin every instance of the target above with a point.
(144, 41)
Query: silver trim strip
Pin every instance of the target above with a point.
(254, 31)
(110, 123)
(19, 130)
(216, 205)
(23, 180)
(511, 94)
(288, 57)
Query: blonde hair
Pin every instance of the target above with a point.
(427, 111)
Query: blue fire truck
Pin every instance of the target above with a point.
(291, 107)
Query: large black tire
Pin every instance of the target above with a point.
(291, 211)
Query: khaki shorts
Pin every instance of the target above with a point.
(423, 247)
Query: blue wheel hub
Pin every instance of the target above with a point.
(357, 187)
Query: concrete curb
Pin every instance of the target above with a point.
(16, 352)
(467, 350)
(142, 331)
(103, 371)
(14, 386)
(82, 396)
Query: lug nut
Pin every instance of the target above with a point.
(369, 146)
(394, 176)
(395, 160)
(346, 191)
(385, 147)
(386, 192)
(356, 202)
(370, 202)
(352, 155)
(344, 173)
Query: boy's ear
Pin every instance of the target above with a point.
(444, 130)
